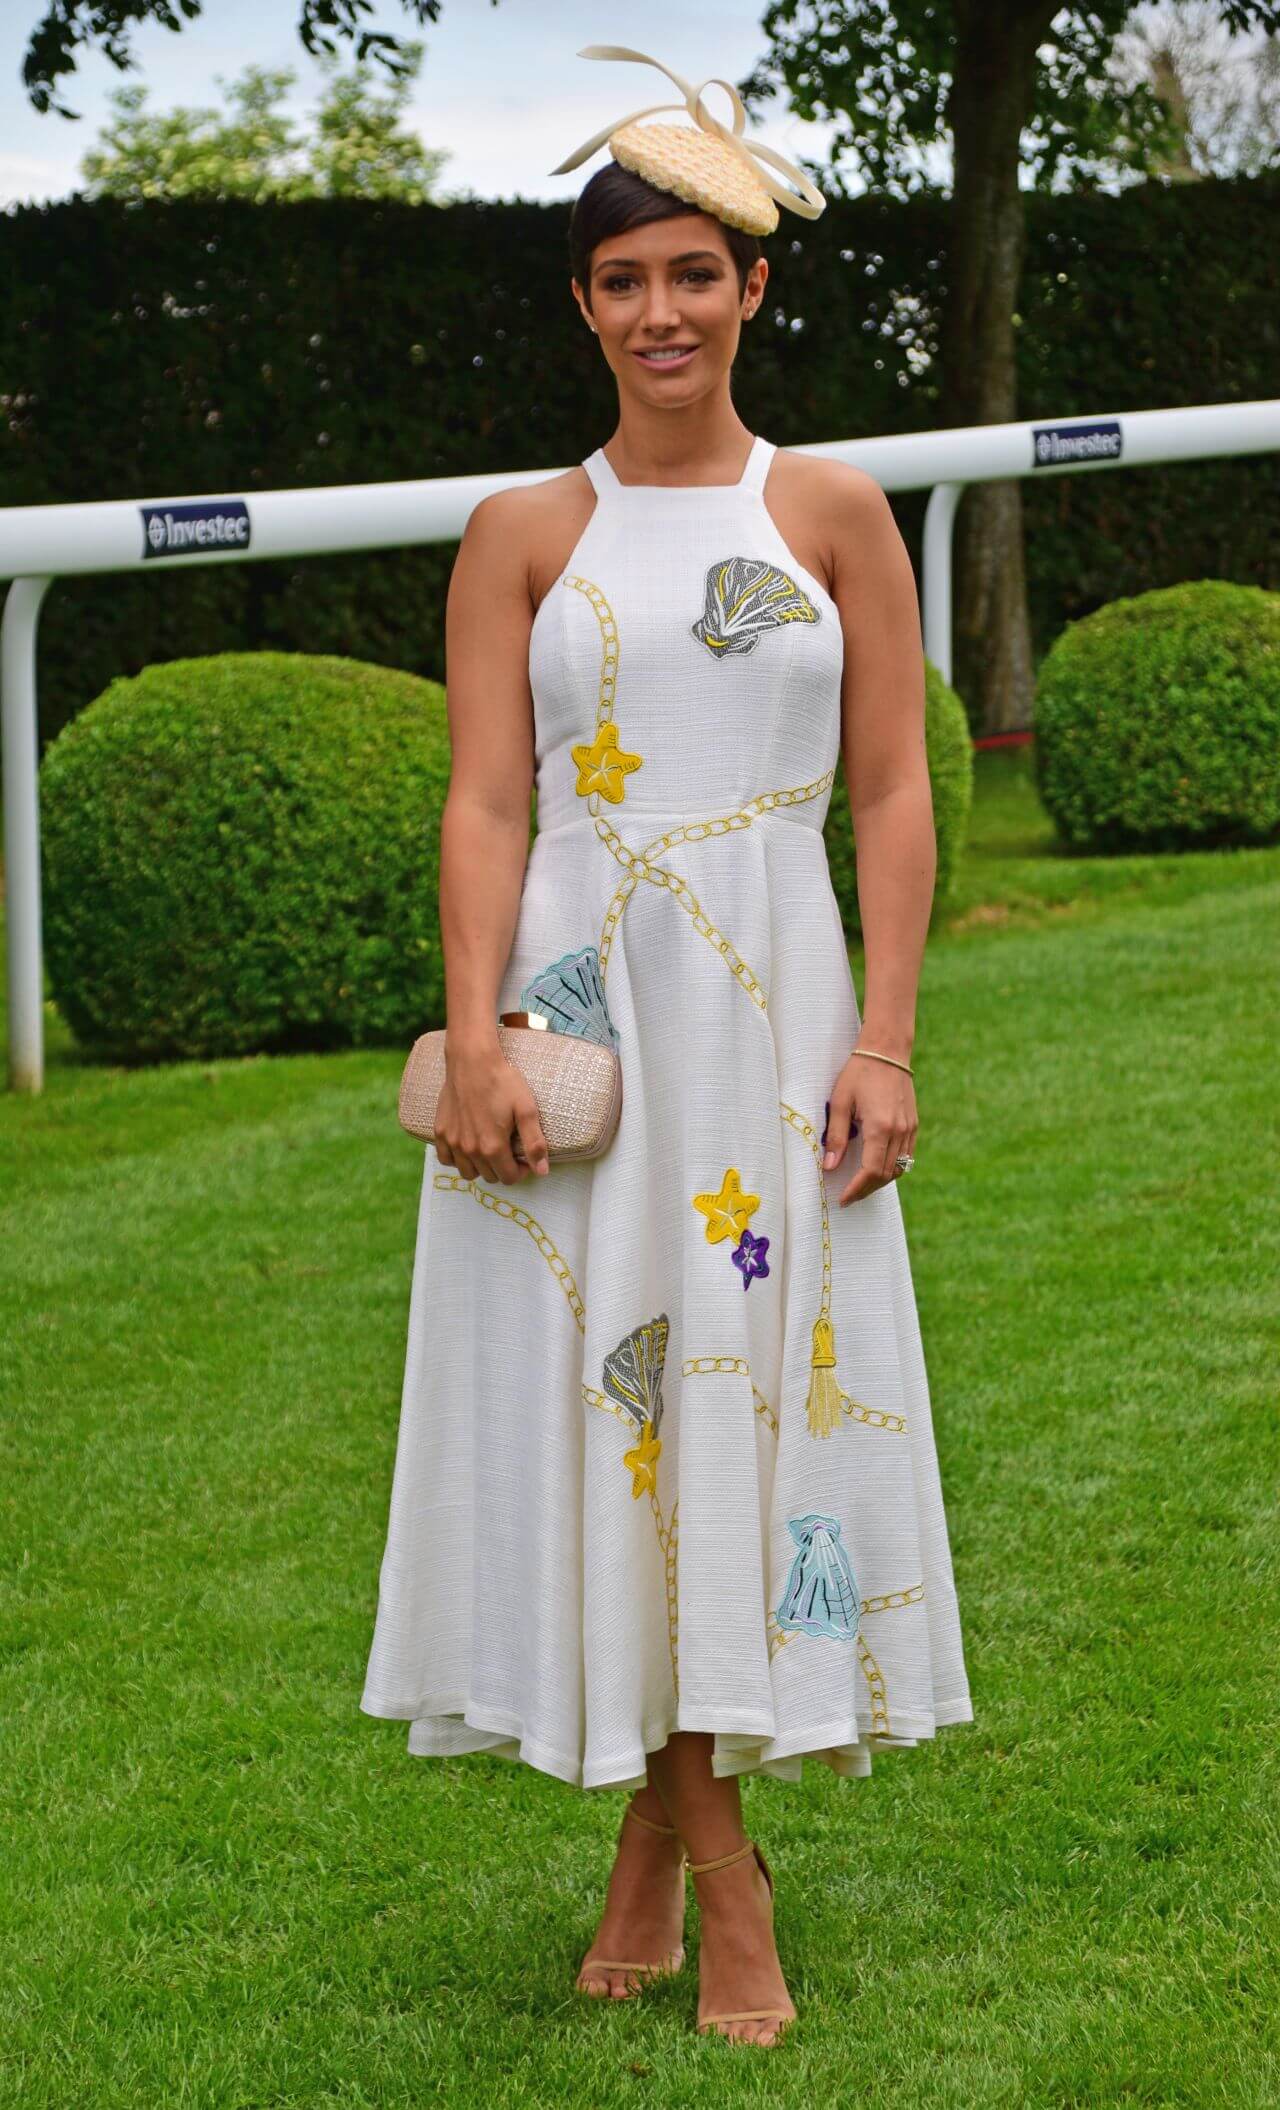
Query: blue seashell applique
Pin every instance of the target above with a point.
(743, 597)
(821, 1596)
(570, 993)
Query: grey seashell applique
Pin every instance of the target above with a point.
(742, 598)
(633, 1372)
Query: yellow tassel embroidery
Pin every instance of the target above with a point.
(603, 765)
(729, 1211)
(826, 1399)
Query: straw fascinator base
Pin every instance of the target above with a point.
(705, 164)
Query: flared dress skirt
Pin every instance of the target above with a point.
(665, 1456)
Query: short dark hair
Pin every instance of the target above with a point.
(615, 199)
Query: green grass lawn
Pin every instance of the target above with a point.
(226, 1886)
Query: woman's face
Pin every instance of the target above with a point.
(671, 283)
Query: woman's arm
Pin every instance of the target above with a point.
(484, 841)
(890, 799)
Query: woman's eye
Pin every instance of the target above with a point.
(624, 279)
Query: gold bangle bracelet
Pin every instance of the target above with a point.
(886, 1058)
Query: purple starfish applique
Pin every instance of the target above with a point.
(749, 1256)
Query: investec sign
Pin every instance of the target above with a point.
(1054, 445)
(192, 526)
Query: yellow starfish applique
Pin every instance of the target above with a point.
(603, 765)
(642, 1462)
(727, 1212)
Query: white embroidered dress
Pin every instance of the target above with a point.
(666, 1458)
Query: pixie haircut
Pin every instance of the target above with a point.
(616, 199)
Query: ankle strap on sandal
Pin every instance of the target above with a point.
(702, 1868)
(668, 1829)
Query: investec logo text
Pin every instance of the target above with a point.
(1098, 442)
(197, 524)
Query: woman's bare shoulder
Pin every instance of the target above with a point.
(530, 529)
(821, 480)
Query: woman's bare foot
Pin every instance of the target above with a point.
(738, 1965)
(643, 1918)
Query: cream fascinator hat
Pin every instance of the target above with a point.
(709, 166)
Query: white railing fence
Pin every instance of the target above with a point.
(41, 543)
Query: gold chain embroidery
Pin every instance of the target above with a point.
(668, 1539)
(875, 1682)
(703, 1365)
(805, 1128)
(609, 651)
(695, 831)
(891, 1601)
(780, 1636)
(639, 867)
(560, 1268)
(606, 1405)
(639, 864)
(603, 759)
(873, 1417)
(764, 1410)
(668, 1534)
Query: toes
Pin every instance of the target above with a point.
(756, 2032)
(606, 1984)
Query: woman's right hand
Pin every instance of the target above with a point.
(485, 1098)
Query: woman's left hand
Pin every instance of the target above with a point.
(882, 1100)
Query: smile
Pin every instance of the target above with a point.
(667, 359)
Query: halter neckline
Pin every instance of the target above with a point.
(605, 477)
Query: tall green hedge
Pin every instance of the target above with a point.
(225, 347)
(241, 854)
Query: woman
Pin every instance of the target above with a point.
(666, 1506)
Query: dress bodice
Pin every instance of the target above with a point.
(683, 663)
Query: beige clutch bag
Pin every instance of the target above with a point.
(577, 1084)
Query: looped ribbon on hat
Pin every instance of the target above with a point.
(810, 202)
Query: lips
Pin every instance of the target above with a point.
(666, 365)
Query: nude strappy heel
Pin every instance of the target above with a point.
(668, 1965)
(706, 2023)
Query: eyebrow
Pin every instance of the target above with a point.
(686, 256)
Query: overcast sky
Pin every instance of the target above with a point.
(500, 88)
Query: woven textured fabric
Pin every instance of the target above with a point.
(666, 1457)
(576, 1084)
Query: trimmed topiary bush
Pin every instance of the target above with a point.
(1158, 721)
(241, 854)
(949, 749)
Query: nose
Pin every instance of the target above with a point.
(661, 312)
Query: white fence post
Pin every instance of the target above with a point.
(22, 833)
(935, 565)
